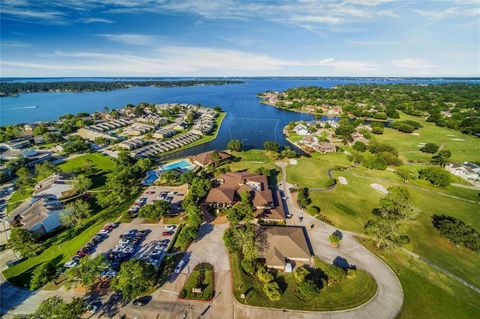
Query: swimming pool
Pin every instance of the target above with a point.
(183, 164)
(151, 178)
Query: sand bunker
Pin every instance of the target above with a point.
(379, 188)
(415, 134)
(342, 180)
(293, 161)
(458, 139)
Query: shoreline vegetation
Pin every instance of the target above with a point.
(16, 88)
(453, 105)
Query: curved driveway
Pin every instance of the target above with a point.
(388, 301)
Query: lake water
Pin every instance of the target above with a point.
(246, 120)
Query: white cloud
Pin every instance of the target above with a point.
(449, 12)
(96, 20)
(318, 19)
(178, 61)
(128, 38)
(413, 63)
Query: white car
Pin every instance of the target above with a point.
(179, 267)
(71, 263)
(170, 227)
(124, 242)
(103, 232)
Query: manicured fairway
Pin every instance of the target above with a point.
(349, 207)
(427, 292)
(312, 171)
(463, 147)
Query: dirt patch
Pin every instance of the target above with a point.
(379, 188)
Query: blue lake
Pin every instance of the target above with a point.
(247, 119)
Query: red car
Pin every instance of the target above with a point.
(108, 227)
(81, 253)
(167, 233)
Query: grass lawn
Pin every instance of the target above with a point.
(100, 162)
(349, 207)
(312, 171)
(63, 246)
(202, 277)
(464, 147)
(253, 159)
(347, 294)
(17, 198)
(103, 164)
(429, 293)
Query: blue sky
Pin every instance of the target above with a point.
(240, 38)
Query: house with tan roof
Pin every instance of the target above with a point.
(59, 185)
(267, 203)
(205, 159)
(284, 247)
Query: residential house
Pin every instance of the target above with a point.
(59, 185)
(38, 214)
(131, 144)
(16, 144)
(284, 247)
(90, 133)
(205, 159)
(467, 171)
(301, 129)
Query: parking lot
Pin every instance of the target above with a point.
(154, 235)
(172, 194)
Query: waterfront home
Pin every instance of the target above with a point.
(205, 159)
(301, 129)
(32, 155)
(467, 171)
(284, 247)
(58, 185)
(38, 214)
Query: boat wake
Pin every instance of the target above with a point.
(25, 107)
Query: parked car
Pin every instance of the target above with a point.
(103, 232)
(170, 227)
(72, 263)
(108, 227)
(167, 233)
(144, 232)
(129, 233)
(179, 267)
(109, 273)
(142, 301)
(94, 306)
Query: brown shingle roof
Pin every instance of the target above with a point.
(205, 158)
(284, 242)
(221, 195)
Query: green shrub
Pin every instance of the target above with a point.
(334, 273)
(264, 275)
(429, 148)
(300, 273)
(435, 175)
(272, 290)
(249, 266)
(306, 290)
(313, 210)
